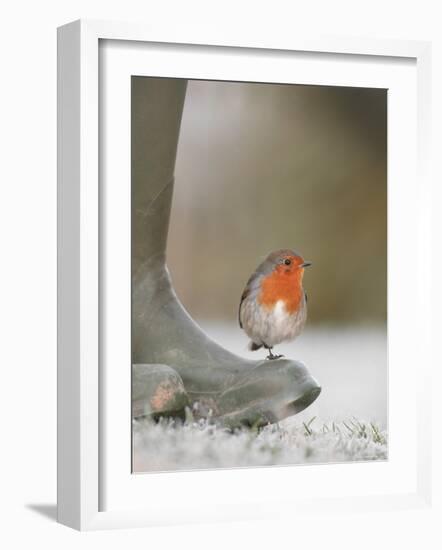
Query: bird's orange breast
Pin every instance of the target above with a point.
(280, 285)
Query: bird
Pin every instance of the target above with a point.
(273, 306)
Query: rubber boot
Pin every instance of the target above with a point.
(231, 390)
(158, 390)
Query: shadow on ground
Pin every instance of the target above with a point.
(48, 511)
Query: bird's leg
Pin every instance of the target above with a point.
(271, 355)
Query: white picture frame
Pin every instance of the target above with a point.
(82, 468)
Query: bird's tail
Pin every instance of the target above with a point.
(253, 346)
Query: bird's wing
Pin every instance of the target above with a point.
(243, 297)
(251, 286)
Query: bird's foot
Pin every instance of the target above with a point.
(273, 356)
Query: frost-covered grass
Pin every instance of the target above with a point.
(169, 445)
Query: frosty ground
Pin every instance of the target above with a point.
(166, 446)
(348, 422)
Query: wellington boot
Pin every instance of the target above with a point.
(218, 384)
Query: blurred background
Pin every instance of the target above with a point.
(264, 166)
(261, 167)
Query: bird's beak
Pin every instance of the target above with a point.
(306, 264)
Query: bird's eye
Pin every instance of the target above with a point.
(287, 261)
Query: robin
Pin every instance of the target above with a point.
(273, 307)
